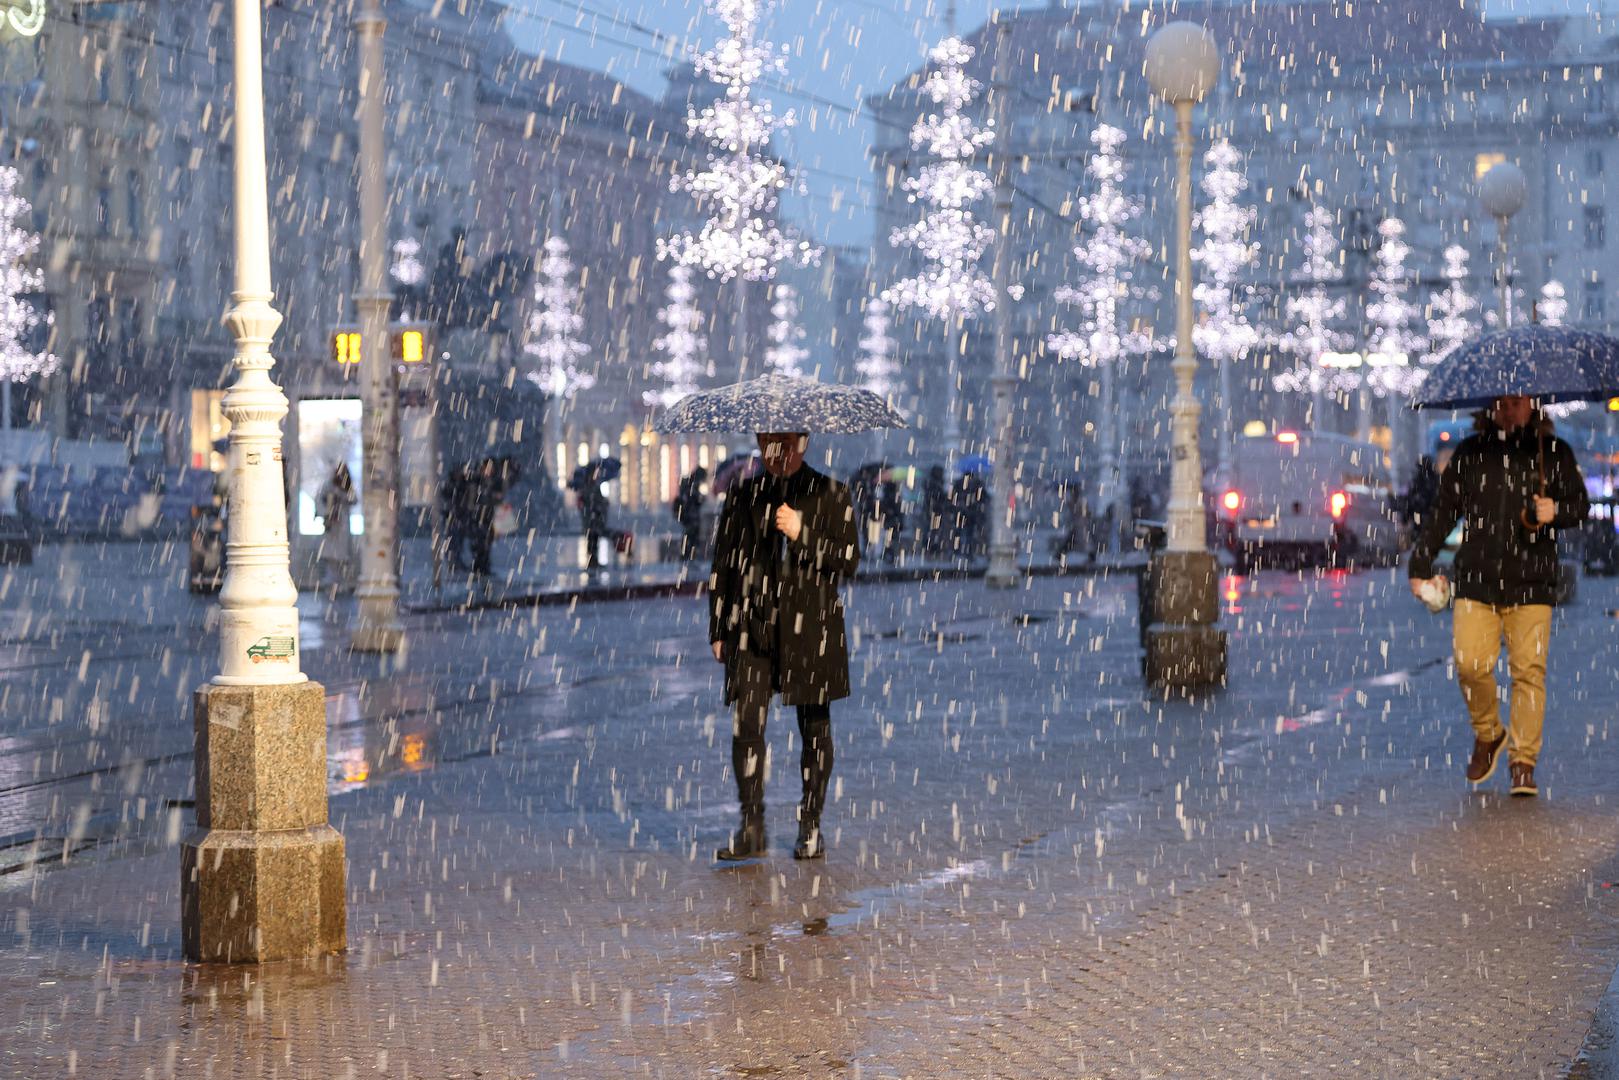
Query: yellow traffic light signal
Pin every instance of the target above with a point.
(409, 346)
(1613, 404)
(346, 346)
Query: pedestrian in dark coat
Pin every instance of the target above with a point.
(785, 542)
(688, 511)
(1512, 487)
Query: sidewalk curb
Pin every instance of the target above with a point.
(651, 590)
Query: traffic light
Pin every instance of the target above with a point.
(1613, 404)
(408, 343)
(346, 346)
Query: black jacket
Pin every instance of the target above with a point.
(1491, 479)
(769, 596)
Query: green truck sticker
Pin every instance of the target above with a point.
(271, 648)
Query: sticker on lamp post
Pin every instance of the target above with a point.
(272, 647)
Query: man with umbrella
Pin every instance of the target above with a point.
(785, 542)
(1513, 486)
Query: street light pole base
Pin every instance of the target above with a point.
(262, 876)
(1003, 571)
(377, 639)
(1185, 648)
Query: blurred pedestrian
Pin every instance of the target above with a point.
(688, 511)
(891, 512)
(1077, 534)
(971, 514)
(1512, 486)
(593, 517)
(784, 544)
(336, 500)
(456, 505)
(487, 494)
(1421, 493)
(941, 516)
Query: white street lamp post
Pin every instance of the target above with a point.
(262, 877)
(378, 628)
(1002, 571)
(1184, 646)
(1502, 191)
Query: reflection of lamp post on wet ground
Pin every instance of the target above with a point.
(1185, 648)
(262, 877)
(1503, 190)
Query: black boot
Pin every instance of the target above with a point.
(811, 844)
(748, 842)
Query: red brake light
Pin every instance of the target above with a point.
(1287, 437)
(1232, 501)
(1338, 503)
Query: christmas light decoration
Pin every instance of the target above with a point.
(877, 367)
(785, 355)
(18, 317)
(1451, 318)
(553, 327)
(949, 237)
(407, 268)
(1224, 334)
(1107, 255)
(1312, 313)
(1553, 306)
(739, 183)
(681, 344)
(1392, 344)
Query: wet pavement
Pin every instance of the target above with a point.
(1037, 868)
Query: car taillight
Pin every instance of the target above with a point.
(1338, 503)
(1232, 501)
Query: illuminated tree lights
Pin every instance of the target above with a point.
(18, 316)
(1107, 255)
(553, 327)
(681, 344)
(877, 367)
(1393, 342)
(1450, 312)
(738, 184)
(785, 355)
(1313, 311)
(1553, 306)
(1224, 334)
(949, 238)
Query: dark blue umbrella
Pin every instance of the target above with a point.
(974, 463)
(1551, 363)
(781, 403)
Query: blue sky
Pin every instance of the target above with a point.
(839, 51)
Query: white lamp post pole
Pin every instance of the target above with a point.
(1003, 571)
(262, 876)
(1503, 190)
(378, 628)
(1184, 646)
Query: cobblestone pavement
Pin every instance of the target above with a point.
(1037, 869)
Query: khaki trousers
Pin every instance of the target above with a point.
(1479, 629)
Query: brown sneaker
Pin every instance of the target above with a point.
(1523, 780)
(1481, 766)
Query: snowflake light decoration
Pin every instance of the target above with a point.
(1313, 311)
(949, 237)
(785, 354)
(738, 183)
(1393, 343)
(1224, 334)
(1553, 306)
(877, 367)
(553, 327)
(682, 342)
(18, 316)
(1107, 255)
(1450, 320)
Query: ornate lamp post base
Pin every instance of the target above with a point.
(262, 877)
(1185, 648)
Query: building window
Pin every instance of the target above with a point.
(1593, 162)
(133, 183)
(104, 77)
(1594, 309)
(104, 209)
(1596, 229)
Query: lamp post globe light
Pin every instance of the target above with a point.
(1503, 191)
(1185, 647)
(262, 876)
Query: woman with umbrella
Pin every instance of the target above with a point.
(1512, 485)
(784, 544)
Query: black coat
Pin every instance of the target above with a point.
(1491, 479)
(769, 596)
